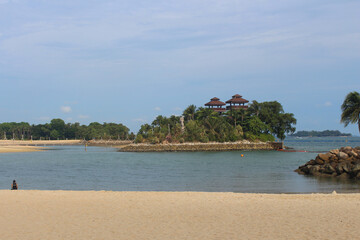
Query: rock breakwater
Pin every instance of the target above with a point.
(341, 163)
(195, 147)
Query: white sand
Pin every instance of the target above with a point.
(176, 215)
(15, 148)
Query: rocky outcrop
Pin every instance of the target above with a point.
(195, 147)
(341, 163)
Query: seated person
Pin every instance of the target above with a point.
(14, 185)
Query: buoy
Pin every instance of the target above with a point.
(242, 155)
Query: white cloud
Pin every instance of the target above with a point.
(65, 109)
(327, 104)
(157, 109)
(177, 109)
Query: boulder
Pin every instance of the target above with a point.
(311, 162)
(353, 154)
(335, 151)
(319, 161)
(341, 163)
(343, 156)
(325, 156)
(314, 169)
(356, 167)
(346, 167)
(328, 169)
(339, 169)
(347, 149)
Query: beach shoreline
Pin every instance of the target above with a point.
(13, 146)
(32, 214)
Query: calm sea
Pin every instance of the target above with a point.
(71, 168)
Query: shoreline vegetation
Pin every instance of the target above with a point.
(107, 215)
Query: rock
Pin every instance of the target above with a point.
(334, 158)
(314, 169)
(347, 148)
(353, 154)
(325, 156)
(343, 156)
(339, 169)
(319, 161)
(346, 167)
(311, 162)
(335, 151)
(328, 169)
(305, 169)
(334, 192)
(341, 163)
(356, 168)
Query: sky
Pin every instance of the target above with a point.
(128, 61)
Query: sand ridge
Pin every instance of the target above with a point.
(32, 214)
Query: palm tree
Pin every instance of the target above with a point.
(351, 109)
(189, 112)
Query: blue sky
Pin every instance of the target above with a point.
(129, 61)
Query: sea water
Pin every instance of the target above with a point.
(98, 168)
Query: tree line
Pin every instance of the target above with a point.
(58, 129)
(326, 133)
(261, 121)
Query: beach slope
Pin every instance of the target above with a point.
(176, 215)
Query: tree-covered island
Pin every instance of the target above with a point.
(260, 121)
(326, 133)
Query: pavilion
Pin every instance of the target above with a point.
(216, 105)
(237, 102)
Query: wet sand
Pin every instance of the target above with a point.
(177, 215)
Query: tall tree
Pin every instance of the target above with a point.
(351, 109)
(189, 112)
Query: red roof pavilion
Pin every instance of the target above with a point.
(216, 105)
(237, 102)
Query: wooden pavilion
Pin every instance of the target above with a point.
(216, 105)
(237, 102)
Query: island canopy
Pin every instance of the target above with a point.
(216, 105)
(237, 102)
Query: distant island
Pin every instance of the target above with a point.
(326, 133)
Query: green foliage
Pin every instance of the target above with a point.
(189, 113)
(57, 129)
(204, 125)
(272, 114)
(351, 109)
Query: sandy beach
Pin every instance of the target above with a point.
(176, 215)
(18, 148)
(10, 146)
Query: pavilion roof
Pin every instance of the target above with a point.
(237, 99)
(215, 102)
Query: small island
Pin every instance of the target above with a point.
(326, 133)
(219, 126)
